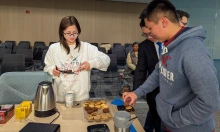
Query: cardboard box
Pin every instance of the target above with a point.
(23, 110)
(6, 113)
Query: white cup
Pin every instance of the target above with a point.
(69, 98)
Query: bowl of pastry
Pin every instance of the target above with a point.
(126, 107)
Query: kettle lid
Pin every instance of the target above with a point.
(45, 83)
(122, 115)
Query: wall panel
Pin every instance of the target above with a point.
(101, 21)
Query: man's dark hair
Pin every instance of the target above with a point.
(142, 23)
(159, 8)
(181, 13)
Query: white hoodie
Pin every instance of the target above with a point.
(79, 83)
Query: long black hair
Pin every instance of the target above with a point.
(66, 22)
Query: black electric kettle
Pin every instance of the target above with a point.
(44, 102)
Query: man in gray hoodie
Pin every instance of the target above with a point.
(189, 89)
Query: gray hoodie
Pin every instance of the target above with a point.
(189, 89)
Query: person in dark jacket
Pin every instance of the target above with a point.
(147, 59)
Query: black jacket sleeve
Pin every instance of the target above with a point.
(141, 68)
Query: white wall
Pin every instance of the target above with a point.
(203, 12)
(100, 21)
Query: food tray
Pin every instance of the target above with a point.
(97, 110)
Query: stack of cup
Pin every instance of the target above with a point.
(69, 98)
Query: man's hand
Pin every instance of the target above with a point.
(130, 97)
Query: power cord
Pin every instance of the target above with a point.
(56, 117)
(51, 121)
(29, 120)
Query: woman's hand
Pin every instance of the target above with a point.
(84, 66)
(56, 72)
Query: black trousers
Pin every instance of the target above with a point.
(152, 121)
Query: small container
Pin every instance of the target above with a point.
(69, 98)
(121, 75)
(122, 121)
(23, 110)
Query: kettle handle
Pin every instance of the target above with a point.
(130, 120)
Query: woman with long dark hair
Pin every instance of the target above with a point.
(70, 60)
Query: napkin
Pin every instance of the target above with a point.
(132, 128)
(117, 102)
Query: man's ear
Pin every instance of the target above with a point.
(165, 22)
